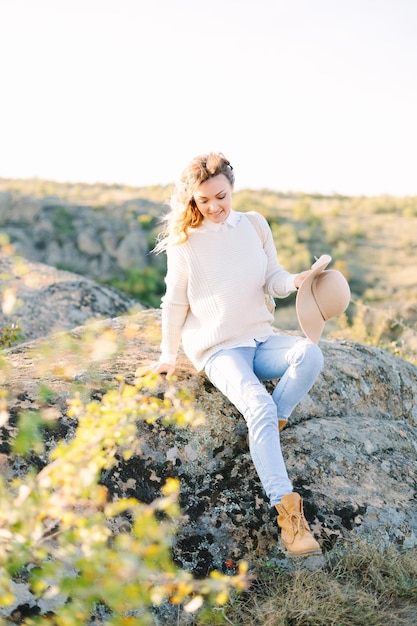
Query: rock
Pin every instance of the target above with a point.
(350, 446)
(132, 251)
(101, 243)
(25, 603)
(88, 244)
(50, 300)
(19, 211)
(350, 450)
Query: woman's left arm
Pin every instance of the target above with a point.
(279, 283)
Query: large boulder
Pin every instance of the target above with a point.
(48, 299)
(350, 448)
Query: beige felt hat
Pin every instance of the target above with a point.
(322, 295)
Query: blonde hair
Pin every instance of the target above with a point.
(184, 213)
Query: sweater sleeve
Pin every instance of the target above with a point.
(174, 304)
(278, 282)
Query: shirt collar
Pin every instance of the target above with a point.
(230, 222)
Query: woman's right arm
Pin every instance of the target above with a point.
(175, 308)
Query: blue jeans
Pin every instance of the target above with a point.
(238, 373)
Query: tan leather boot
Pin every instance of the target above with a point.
(295, 532)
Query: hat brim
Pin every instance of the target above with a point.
(309, 316)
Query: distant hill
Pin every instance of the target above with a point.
(106, 232)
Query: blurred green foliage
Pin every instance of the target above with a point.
(146, 285)
(60, 533)
(10, 334)
(63, 222)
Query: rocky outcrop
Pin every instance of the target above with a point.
(46, 299)
(96, 242)
(350, 446)
(350, 449)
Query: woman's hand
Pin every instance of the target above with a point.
(156, 368)
(300, 278)
(163, 368)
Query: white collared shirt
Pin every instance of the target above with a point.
(230, 222)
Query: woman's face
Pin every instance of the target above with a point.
(214, 198)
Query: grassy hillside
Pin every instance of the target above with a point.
(373, 241)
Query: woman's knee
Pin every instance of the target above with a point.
(315, 355)
(307, 353)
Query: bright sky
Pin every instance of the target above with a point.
(300, 95)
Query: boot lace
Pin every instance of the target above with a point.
(298, 522)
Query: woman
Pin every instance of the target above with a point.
(221, 263)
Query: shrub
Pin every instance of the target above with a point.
(146, 285)
(57, 526)
(10, 334)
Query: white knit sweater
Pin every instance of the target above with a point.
(215, 289)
